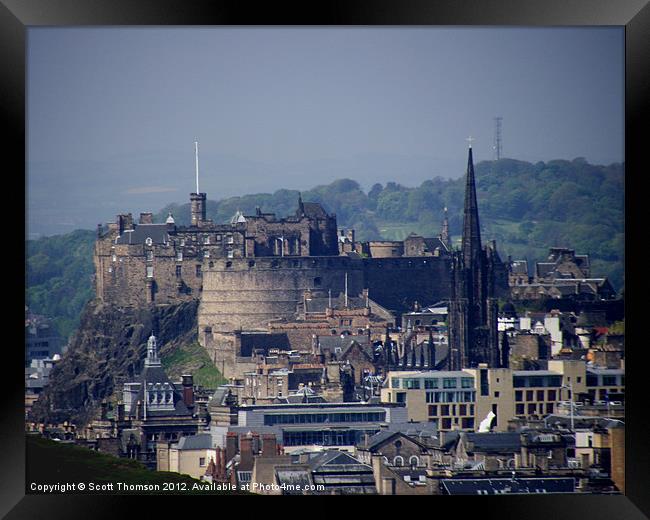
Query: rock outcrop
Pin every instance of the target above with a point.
(107, 350)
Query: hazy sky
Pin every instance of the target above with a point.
(285, 107)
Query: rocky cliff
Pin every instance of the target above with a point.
(107, 350)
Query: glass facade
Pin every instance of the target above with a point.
(537, 381)
(315, 418)
(325, 437)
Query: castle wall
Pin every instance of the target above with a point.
(396, 283)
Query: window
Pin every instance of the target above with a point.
(231, 253)
(449, 382)
(206, 253)
(496, 394)
(467, 423)
(412, 384)
(198, 269)
(444, 409)
(149, 271)
(529, 395)
(394, 382)
(179, 270)
(466, 382)
(179, 256)
(231, 240)
(540, 395)
(317, 281)
(549, 407)
(609, 380)
(446, 424)
(433, 409)
(462, 409)
(398, 461)
(400, 397)
(414, 461)
(149, 256)
(551, 395)
(485, 385)
(519, 395)
(206, 239)
(519, 409)
(532, 408)
(430, 383)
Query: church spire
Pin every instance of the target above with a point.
(471, 229)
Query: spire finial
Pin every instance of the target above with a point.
(469, 140)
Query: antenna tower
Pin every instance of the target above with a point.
(497, 137)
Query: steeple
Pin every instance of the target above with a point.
(471, 228)
(301, 206)
(152, 353)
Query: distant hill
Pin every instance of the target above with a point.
(525, 207)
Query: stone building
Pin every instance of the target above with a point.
(141, 263)
(478, 280)
(564, 275)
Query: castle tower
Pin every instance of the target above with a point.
(197, 199)
(197, 203)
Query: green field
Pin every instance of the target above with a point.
(192, 359)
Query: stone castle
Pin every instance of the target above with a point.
(260, 268)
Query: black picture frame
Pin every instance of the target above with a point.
(17, 15)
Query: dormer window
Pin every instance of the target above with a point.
(148, 241)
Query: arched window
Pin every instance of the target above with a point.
(414, 461)
(398, 461)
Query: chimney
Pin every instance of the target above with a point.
(256, 445)
(217, 464)
(231, 445)
(146, 218)
(120, 411)
(246, 452)
(269, 445)
(124, 222)
(188, 390)
(221, 469)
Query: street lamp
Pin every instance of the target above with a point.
(570, 388)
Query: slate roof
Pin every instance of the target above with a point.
(157, 233)
(201, 441)
(493, 486)
(497, 441)
(519, 267)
